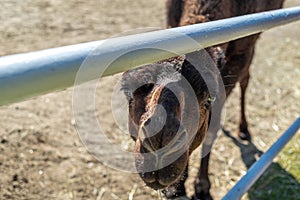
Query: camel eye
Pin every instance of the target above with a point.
(207, 105)
(209, 102)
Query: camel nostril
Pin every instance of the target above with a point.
(149, 128)
(145, 138)
(148, 145)
(147, 122)
(144, 132)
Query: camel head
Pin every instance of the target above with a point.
(157, 94)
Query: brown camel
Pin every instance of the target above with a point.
(160, 84)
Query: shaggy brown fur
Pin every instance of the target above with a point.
(149, 86)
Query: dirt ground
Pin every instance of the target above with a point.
(41, 156)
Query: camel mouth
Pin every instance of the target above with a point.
(156, 185)
(166, 176)
(153, 180)
(159, 168)
(162, 176)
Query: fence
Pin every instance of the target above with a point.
(258, 168)
(26, 75)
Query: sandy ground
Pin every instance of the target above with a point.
(41, 156)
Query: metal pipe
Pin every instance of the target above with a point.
(30, 74)
(258, 168)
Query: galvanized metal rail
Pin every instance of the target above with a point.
(258, 168)
(26, 75)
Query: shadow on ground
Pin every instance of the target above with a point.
(275, 183)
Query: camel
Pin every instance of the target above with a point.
(151, 85)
